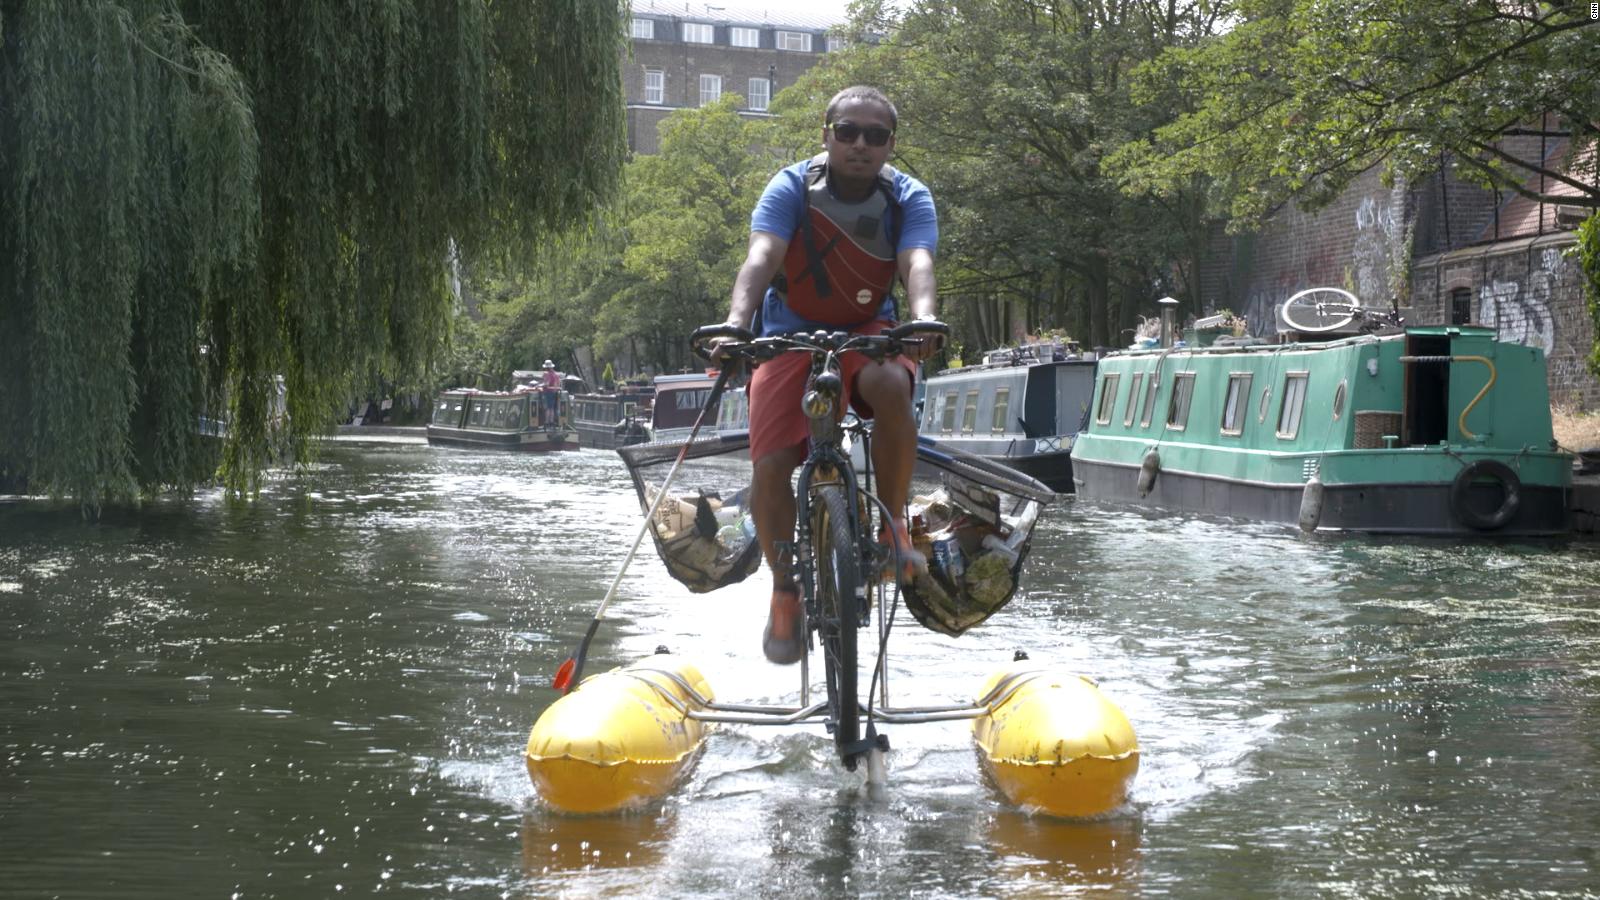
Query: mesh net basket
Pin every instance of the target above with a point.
(972, 520)
(702, 528)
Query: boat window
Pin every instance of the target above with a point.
(694, 400)
(1178, 404)
(1002, 403)
(1108, 399)
(1149, 401)
(1133, 399)
(1294, 401)
(441, 411)
(948, 420)
(1266, 395)
(1236, 402)
(969, 415)
(1338, 399)
(479, 413)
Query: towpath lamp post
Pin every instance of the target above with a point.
(1169, 312)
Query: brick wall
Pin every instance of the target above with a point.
(1359, 243)
(1530, 292)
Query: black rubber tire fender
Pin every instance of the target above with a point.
(1512, 500)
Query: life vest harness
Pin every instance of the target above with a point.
(814, 268)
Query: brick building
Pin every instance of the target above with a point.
(686, 55)
(1450, 251)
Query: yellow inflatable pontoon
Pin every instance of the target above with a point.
(618, 739)
(1053, 742)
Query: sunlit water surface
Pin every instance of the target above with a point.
(326, 692)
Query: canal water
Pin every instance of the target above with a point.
(326, 693)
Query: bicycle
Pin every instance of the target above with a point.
(1322, 310)
(835, 558)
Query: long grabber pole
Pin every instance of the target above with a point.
(570, 671)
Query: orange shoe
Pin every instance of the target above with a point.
(784, 641)
(910, 560)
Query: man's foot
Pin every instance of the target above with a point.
(784, 639)
(897, 542)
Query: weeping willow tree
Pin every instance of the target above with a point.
(200, 197)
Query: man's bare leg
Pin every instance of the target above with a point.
(772, 504)
(887, 387)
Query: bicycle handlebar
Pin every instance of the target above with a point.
(743, 344)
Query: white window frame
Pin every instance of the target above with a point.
(760, 96)
(1108, 399)
(1000, 416)
(751, 35)
(947, 419)
(655, 94)
(1236, 403)
(1135, 394)
(699, 33)
(644, 29)
(1292, 408)
(710, 89)
(969, 412)
(796, 41)
(1179, 401)
(837, 42)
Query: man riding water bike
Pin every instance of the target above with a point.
(828, 239)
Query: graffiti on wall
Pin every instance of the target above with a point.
(1519, 310)
(1381, 245)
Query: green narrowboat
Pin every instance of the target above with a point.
(1438, 430)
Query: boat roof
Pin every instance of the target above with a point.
(1255, 345)
(693, 379)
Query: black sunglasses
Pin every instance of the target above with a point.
(847, 132)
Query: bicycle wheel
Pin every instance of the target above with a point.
(837, 575)
(1316, 310)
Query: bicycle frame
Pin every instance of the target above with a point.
(827, 463)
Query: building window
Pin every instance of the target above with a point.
(1294, 402)
(794, 40)
(1133, 399)
(744, 37)
(697, 33)
(655, 86)
(1108, 399)
(969, 415)
(710, 89)
(1002, 404)
(1461, 306)
(759, 90)
(836, 43)
(644, 29)
(1234, 405)
(1178, 403)
(948, 421)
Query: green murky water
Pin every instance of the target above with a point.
(326, 693)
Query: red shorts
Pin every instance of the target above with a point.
(776, 422)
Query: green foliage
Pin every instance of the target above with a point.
(199, 196)
(656, 264)
(1587, 250)
(1008, 109)
(1301, 96)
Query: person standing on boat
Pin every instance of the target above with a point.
(828, 239)
(551, 388)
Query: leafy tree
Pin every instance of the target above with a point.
(1300, 97)
(657, 263)
(202, 195)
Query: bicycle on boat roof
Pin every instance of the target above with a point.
(836, 561)
(1322, 310)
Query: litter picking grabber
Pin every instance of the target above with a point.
(571, 670)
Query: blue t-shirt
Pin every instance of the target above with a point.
(781, 206)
